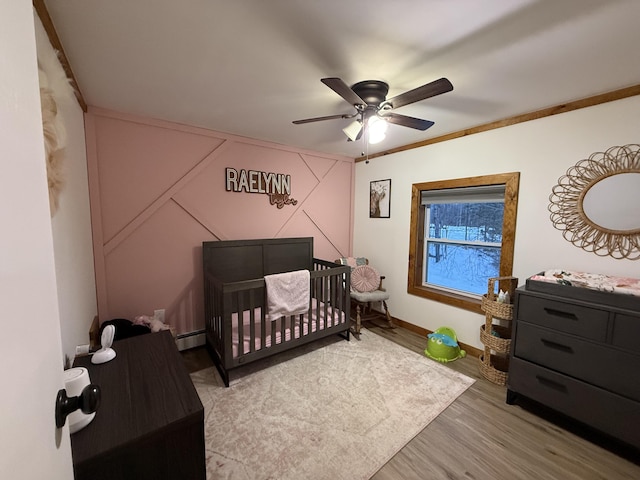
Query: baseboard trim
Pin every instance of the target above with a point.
(189, 340)
(185, 341)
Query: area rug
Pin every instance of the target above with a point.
(331, 410)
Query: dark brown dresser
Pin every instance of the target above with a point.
(577, 351)
(150, 423)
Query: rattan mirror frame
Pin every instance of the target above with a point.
(567, 209)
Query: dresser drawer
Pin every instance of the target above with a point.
(606, 367)
(575, 319)
(626, 332)
(603, 410)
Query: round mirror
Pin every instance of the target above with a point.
(613, 203)
(596, 203)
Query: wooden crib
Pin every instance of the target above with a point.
(237, 331)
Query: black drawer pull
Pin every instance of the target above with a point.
(552, 384)
(561, 314)
(556, 346)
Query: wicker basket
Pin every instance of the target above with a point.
(500, 344)
(497, 309)
(494, 363)
(490, 304)
(495, 369)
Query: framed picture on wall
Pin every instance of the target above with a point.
(380, 199)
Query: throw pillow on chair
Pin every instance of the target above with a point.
(365, 279)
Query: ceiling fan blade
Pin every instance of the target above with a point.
(319, 119)
(432, 89)
(344, 90)
(406, 121)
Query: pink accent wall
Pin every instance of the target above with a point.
(157, 191)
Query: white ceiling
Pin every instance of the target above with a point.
(251, 67)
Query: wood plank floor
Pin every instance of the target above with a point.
(480, 437)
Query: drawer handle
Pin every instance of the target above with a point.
(561, 314)
(556, 346)
(552, 384)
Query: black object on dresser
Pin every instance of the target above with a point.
(150, 423)
(577, 351)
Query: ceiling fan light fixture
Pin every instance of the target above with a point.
(376, 138)
(377, 129)
(352, 130)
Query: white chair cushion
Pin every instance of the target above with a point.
(366, 297)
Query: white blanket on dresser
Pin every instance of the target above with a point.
(287, 293)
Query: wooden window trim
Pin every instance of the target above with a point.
(511, 181)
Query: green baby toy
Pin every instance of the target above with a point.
(442, 346)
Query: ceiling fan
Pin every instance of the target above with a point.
(369, 98)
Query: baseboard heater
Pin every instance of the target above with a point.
(185, 341)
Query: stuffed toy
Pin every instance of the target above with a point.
(152, 323)
(124, 328)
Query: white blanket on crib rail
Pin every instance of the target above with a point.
(287, 293)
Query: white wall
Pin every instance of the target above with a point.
(71, 224)
(30, 361)
(542, 150)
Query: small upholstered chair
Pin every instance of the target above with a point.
(366, 288)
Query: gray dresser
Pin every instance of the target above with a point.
(577, 351)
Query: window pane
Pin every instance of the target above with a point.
(465, 268)
(471, 222)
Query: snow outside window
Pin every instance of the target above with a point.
(463, 238)
(462, 233)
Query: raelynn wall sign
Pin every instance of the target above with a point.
(276, 185)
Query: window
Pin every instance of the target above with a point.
(462, 233)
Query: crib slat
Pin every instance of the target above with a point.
(240, 309)
(329, 303)
(273, 333)
(319, 298)
(263, 327)
(326, 298)
(283, 324)
(252, 321)
(226, 326)
(341, 290)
